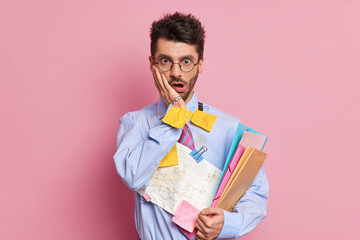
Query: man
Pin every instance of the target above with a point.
(177, 43)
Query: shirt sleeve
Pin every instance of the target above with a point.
(140, 150)
(249, 211)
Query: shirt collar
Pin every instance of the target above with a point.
(161, 107)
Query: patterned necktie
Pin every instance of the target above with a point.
(186, 138)
(189, 235)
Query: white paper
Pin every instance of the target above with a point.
(194, 182)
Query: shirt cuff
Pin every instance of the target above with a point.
(231, 225)
(166, 136)
(164, 133)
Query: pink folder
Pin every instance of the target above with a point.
(235, 159)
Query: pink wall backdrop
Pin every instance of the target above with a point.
(70, 69)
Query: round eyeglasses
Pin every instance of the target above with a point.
(186, 64)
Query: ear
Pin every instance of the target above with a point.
(201, 65)
(151, 61)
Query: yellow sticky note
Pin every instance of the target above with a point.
(203, 120)
(171, 159)
(177, 117)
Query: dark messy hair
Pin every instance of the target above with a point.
(178, 27)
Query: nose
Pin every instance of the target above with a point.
(176, 71)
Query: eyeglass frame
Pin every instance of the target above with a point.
(172, 64)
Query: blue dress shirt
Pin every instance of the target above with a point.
(144, 140)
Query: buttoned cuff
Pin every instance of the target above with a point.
(165, 133)
(231, 225)
(166, 136)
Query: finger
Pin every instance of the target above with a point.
(204, 221)
(202, 217)
(172, 94)
(211, 211)
(158, 78)
(156, 82)
(161, 88)
(204, 224)
(200, 226)
(165, 82)
(201, 235)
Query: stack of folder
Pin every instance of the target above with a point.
(242, 165)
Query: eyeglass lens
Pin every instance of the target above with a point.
(166, 64)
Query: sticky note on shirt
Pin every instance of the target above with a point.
(204, 120)
(171, 159)
(177, 117)
(186, 215)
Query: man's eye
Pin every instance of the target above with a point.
(186, 61)
(165, 61)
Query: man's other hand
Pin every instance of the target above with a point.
(209, 223)
(167, 93)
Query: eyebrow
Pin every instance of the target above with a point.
(182, 57)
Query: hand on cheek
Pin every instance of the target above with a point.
(166, 92)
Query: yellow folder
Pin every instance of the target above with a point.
(234, 174)
(242, 178)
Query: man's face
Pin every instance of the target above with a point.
(176, 52)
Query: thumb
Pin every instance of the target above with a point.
(210, 211)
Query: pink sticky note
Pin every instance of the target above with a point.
(147, 197)
(254, 140)
(186, 215)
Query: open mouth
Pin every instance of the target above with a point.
(178, 87)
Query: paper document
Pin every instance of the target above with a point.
(191, 181)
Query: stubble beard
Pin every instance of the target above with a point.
(189, 85)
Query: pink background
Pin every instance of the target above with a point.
(70, 69)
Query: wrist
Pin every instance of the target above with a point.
(179, 102)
